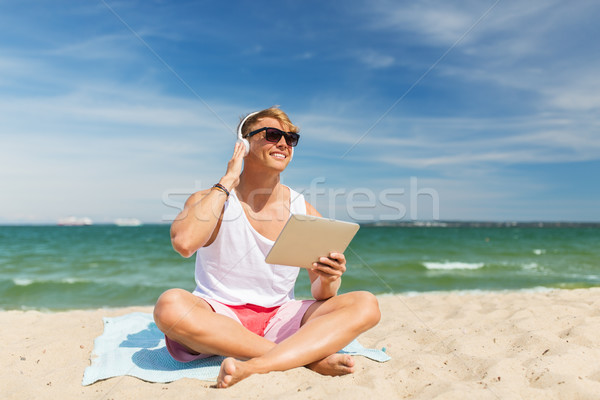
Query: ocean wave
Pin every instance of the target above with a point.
(27, 281)
(539, 252)
(450, 265)
(530, 266)
(22, 281)
(74, 280)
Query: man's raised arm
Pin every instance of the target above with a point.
(197, 222)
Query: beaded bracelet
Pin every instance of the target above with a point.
(221, 188)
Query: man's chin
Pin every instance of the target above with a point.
(280, 164)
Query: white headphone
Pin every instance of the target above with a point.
(240, 139)
(245, 141)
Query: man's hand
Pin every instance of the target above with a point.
(234, 167)
(330, 269)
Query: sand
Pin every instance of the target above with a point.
(513, 345)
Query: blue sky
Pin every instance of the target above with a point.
(458, 110)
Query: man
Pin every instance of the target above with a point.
(243, 308)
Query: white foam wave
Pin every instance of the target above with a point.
(72, 280)
(539, 252)
(27, 282)
(530, 266)
(450, 265)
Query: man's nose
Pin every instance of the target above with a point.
(282, 141)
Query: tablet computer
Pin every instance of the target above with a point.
(305, 238)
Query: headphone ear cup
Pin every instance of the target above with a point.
(241, 139)
(246, 144)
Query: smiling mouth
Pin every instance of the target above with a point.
(279, 155)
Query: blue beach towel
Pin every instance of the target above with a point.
(132, 345)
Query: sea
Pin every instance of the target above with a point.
(53, 268)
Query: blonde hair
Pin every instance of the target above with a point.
(271, 112)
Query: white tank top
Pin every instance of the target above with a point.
(232, 269)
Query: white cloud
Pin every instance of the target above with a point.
(545, 48)
(91, 140)
(102, 47)
(441, 23)
(106, 152)
(443, 143)
(307, 55)
(253, 50)
(438, 22)
(375, 60)
(578, 92)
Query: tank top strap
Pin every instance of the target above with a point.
(297, 202)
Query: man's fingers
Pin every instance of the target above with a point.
(332, 262)
(332, 270)
(338, 256)
(238, 149)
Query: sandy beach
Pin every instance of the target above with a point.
(508, 345)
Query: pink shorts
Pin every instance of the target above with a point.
(283, 324)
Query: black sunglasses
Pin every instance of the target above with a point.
(274, 135)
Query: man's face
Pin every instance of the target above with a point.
(276, 155)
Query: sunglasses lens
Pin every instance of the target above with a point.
(274, 135)
(292, 139)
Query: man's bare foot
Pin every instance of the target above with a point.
(232, 371)
(334, 365)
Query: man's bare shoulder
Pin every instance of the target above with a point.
(310, 210)
(196, 197)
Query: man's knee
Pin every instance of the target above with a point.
(367, 308)
(166, 312)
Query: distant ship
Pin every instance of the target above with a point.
(128, 222)
(75, 221)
